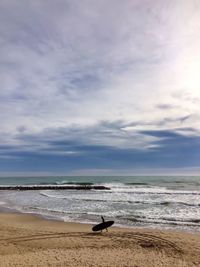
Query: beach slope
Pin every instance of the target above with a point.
(27, 240)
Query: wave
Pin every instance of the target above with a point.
(145, 188)
(164, 220)
(130, 187)
(167, 203)
(164, 203)
(152, 191)
(35, 208)
(45, 183)
(46, 194)
(141, 219)
(192, 220)
(137, 183)
(74, 183)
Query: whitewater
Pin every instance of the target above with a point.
(162, 202)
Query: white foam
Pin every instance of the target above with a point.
(49, 194)
(151, 190)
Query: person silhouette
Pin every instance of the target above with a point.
(102, 219)
(103, 222)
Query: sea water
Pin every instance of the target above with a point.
(164, 202)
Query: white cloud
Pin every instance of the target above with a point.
(65, 63)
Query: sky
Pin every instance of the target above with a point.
(99, 87)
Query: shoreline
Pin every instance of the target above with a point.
(155, 203)
(10, 210)
(29, 240)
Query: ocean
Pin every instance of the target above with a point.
(160, 202)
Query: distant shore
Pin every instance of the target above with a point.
(28, 240)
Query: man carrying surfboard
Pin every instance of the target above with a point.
(103, 225)
(103, 221)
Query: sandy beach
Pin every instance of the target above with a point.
(28, 240)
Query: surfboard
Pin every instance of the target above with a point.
(102, 226)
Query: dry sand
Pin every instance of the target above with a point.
(31, 241)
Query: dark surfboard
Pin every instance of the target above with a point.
(102, 226)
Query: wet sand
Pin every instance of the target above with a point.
(27, 240)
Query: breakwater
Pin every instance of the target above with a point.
(53, 187)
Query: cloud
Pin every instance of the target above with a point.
(104, 74)
(75, 149)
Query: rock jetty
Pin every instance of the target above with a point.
(54, 187)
